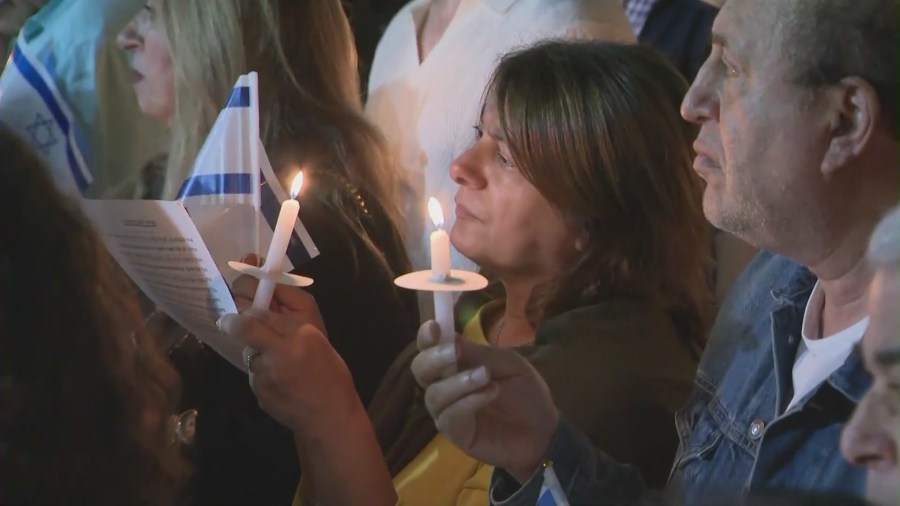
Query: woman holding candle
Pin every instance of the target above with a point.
(578, 194)
(186, 55)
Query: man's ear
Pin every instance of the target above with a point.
(854, 111)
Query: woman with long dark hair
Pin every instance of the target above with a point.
(578, 195)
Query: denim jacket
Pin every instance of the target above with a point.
(735, 436)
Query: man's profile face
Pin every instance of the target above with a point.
(761, 139)
(872, 436)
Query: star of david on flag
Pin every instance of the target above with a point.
(32, 106)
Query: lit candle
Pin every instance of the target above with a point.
(281, 237)
(440, 271)
(440, 243)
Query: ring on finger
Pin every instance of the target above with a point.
(248, 355)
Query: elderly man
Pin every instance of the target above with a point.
(872, 438)
(798, 108)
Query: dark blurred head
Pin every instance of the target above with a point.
(85, 394)
(872, 437)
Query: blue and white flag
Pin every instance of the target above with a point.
(32, 106)
(232, 193)
(552, 493)
(224, 171)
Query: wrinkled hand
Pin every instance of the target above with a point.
(298, 378)
(497, 408)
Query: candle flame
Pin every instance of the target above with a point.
(436, 213)
(296, 185)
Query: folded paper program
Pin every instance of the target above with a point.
(158, 246)
(227, 208)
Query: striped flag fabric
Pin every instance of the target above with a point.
(232, 193)
(552, 493)
(32, 106)
(226, 169)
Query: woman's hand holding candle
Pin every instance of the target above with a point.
(303, 383)
(440, 271)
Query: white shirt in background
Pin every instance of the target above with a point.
(818, 357)
(427, 110)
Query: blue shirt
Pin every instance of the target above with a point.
(735, 436)
(75, 40)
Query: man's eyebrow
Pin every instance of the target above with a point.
(887, 358)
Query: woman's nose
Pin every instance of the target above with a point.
(128, 39)
(468, 169)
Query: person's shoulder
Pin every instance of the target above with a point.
(607, 319)
(586, 354)
(742, 331)
(767, 281)
(616, 329)
(767, 278)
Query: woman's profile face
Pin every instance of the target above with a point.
(144, 40)
(502, 221)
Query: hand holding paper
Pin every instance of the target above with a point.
(227, 206)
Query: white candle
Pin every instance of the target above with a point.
(443, 313)
(281, 237)
(440, 271)
(440, 243)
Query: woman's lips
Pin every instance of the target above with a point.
(463, 213)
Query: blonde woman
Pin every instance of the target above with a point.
(186, 56)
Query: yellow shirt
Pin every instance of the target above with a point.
(441, 474)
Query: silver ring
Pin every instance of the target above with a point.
(184, 427)
(249, 354)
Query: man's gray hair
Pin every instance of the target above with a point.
(833, 39)
(884, 246)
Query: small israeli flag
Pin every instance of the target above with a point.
(32, 106)
(225, 171)
(552, 493)
(232, 193)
